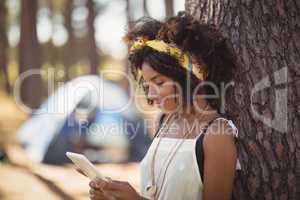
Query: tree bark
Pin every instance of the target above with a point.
(169, 8)
(4, 44)
(92, 47)
(265, 99)
(29, 55)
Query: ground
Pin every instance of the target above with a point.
(23, 179)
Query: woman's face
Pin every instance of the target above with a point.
(161, 89)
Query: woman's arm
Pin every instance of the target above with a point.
(220, 156)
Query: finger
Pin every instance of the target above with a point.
(117, 189)
(113, 185)
(95, 197)
(120, 182)
(108, 179)
(106, 185)
(97, 183)
(110, 195)
(98, 193)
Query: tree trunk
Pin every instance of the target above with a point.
(92, 47)
(145, 8)
(130, 22)
(69, 54)
(4, 44)
(265, 99)
(29, 55)
(169, 8)
(129, 14)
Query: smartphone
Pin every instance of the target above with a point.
(85, 165)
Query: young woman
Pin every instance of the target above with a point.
(183, 70)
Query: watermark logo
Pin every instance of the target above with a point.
(279, 120)
(82, 95)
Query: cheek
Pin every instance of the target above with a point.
(167, 92)
(167, 96)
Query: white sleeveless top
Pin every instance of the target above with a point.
(182, 179)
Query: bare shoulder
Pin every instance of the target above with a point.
(220, 135)
(220, 158)
(222, 127)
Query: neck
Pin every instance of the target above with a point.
(200, 107)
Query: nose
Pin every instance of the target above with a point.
(153, 92)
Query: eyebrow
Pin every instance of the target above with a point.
(154, 77)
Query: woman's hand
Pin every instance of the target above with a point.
(112, 190)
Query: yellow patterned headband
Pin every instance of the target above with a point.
(159, 45)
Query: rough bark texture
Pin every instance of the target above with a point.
(92, 47)
(265, 99)
(4, 44)
(29, 54)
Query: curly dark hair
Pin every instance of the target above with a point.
(143, 27)
(161, 62)
(204, 42)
